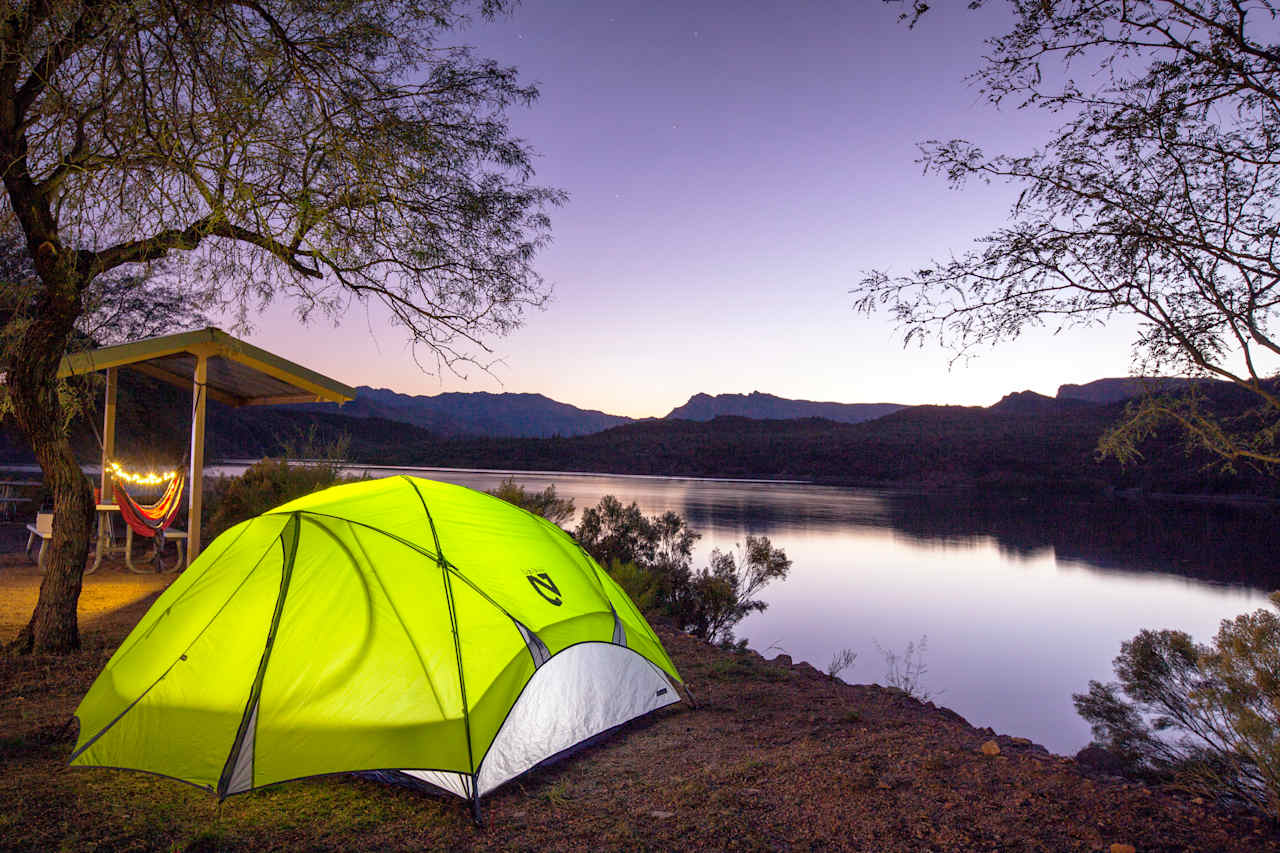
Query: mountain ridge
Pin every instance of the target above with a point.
(762, 406)
(467, 413)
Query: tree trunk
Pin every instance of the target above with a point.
(32, 383)
(36, 337)
(53, 626)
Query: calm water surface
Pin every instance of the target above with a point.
(1023, 602)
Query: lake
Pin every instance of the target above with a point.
(1022, 601)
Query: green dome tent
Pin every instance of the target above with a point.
(396, 625)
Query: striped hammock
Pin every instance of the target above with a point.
(150, 520)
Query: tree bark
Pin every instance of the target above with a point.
(32, 385)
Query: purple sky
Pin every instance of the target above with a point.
(732, 170)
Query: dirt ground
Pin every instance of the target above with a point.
(775, 756)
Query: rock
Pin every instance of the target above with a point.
(1122, 848)
(990, 748)
(1199, 801)
(1097, 758)
(665, 815)
(1020, 741)
(783, 660)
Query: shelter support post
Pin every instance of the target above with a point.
(195, 504)
(108, 434)
(104, 480)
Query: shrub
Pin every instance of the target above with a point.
(652, 558)
(660, 545)
(1204, 717)
(263, 486)
(640, 585)
(720, 595)
(906, 672)
(544, 503)
(840, 661)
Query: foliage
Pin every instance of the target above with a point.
(1205, 717)
(118, 308)
(661, 545)
(945, 445)
(331, 153)
(720, 595)
(640, 585)
(1153, 200)
(651, 557)
(840, 661)
(906, 672)
(544, 503)
(269, 483)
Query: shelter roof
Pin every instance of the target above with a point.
(239, 374)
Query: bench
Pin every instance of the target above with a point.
(172, 534)
(43, 528)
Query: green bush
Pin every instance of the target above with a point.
(545, 503)
(720, 595)
(1204, 717)
(640, 584)
(660, 545)
(652, 559)
(263, 486)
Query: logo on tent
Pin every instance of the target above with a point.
(546, 587)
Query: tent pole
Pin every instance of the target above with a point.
(195, 504)
(108, 435)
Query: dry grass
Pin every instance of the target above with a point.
(775, 757)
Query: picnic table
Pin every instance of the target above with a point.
(14, 492)
(106, 543)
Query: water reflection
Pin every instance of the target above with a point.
(1023, 601)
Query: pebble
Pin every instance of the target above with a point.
(1122, 848)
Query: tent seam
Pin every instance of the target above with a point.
(124, 651)
(255, 689)
(403, 627)
(169, 669)
(457, 645)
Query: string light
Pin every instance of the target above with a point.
(148, 479)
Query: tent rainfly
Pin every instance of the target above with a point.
(396, 625)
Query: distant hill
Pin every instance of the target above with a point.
(476, 413)
(929, 446)
(1116, 389)
(1031, 403)
(1026, 442)
(704, 407)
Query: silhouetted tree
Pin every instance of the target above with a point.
(323, 152)
(1155, 199)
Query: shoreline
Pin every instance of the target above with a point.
(776, 755)
(1047, 489)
